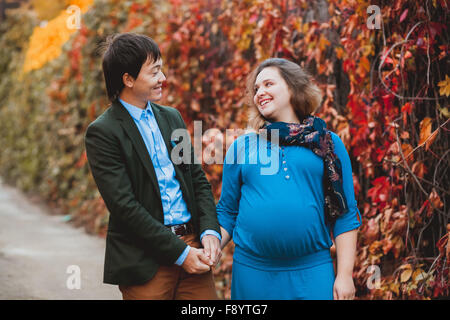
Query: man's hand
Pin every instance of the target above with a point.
(211, 245)
(196, 262)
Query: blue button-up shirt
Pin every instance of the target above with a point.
(174, 207)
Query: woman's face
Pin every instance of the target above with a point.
(272, 95)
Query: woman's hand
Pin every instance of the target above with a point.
(225, 237)
(343, 289)
(211, 245)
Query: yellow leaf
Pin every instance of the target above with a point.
(406, 274)
(445, 112)
(418, 275)
(367, 50)
(394, 287)
(305, 28)
(445, 86)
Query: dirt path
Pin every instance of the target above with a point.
(36, 250)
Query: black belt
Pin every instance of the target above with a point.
(181, 229)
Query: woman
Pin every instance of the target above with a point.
(281, 222)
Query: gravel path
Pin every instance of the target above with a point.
(37, 250)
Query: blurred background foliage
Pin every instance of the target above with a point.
(46, 10)
(385, 93)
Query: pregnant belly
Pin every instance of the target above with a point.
(280, 230)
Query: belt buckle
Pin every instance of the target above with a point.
(177, 228)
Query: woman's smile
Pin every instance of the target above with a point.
(264, 101)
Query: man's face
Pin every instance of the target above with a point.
(148, 84)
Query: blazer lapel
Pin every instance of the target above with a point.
(166, 131)
(133, 133)
(164, 126)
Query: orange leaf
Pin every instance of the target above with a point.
(444, 86)
(435, 199)
(426, 137)
(425, 129)
(431, 139)
(374, 247)
(387, 246)
(339, 52)
(364, 63)
(407, 151)
(419, 169)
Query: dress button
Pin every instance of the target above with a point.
(284, 161)
(287, 177)
(285, 169)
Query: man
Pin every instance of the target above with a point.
(157, 209)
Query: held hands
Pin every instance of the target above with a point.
(196, 262)
(213, 252)
(199, 261)
(343, 289)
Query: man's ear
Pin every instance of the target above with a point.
(128, 80)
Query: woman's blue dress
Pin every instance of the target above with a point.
(272, 203)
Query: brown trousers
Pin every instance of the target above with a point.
(174, 283)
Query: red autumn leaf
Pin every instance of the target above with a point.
(407, 107)
(403, 16)
(406, 110)
(380, 190)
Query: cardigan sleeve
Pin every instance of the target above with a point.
(228, 205)
(352, 219)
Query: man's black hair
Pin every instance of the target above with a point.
(126, 53)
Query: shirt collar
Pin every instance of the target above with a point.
(135, 112)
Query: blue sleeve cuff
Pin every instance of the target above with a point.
(348, 222)
(226, 220)
(183, 256)
(214, 233)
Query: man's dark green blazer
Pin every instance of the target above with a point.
(137, 241)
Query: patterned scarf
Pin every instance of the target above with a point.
(312, 133)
